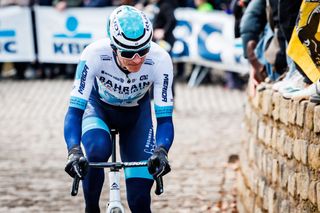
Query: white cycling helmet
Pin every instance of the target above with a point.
(129, 29)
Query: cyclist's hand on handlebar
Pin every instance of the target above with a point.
(158, 164)
(77, 164)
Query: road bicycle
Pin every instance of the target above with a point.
(114, 205)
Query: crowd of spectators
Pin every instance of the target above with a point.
(281, 40)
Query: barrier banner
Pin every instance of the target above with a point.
(62, 36)
(16, 37)
(202, 38)
(207, 38)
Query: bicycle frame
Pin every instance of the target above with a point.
(114, 205)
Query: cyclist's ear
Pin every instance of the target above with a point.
(113, 47)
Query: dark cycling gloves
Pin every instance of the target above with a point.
(158, 164)
(77, 164)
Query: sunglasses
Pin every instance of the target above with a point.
(131, 54)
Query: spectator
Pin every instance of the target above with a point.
(164, 20)
(270, 50)
(252, 25)
(276, 45)
(288, 13)
(164, 23)
(237, 8)
(186, 3)
(203, 5)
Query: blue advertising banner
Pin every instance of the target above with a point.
(207, 38)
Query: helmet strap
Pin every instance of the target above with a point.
(113, 47)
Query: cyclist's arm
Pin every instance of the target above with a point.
(163, 100)
(82, 87)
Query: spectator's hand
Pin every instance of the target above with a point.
(259, 71)
(158, 34)
(158, 164)
(61, 6)
(77, 164)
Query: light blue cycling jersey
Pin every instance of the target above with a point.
(117, 88)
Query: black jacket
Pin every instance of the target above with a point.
(166, 20)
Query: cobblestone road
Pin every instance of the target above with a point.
(32, 150)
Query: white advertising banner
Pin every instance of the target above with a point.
(16, 37)
(207, 38)
(202, 38)
(62, 36)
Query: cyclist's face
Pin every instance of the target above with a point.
(133, 64)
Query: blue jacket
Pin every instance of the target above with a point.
(253, 22)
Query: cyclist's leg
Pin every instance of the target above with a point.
(97, 144)
(136, 144)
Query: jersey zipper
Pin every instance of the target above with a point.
(128, 81)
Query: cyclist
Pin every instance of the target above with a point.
(110, 90)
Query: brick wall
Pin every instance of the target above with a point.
(280, 158)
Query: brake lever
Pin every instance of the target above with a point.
(159, 186)
(75, 186)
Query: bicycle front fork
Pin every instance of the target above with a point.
(114, 205)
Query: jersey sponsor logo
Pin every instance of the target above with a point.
(143, 77)
(103, 79)
(124, 89)
(149, 62)
(114, 186)
(105, 57)
(165, 87)
(83, 79)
